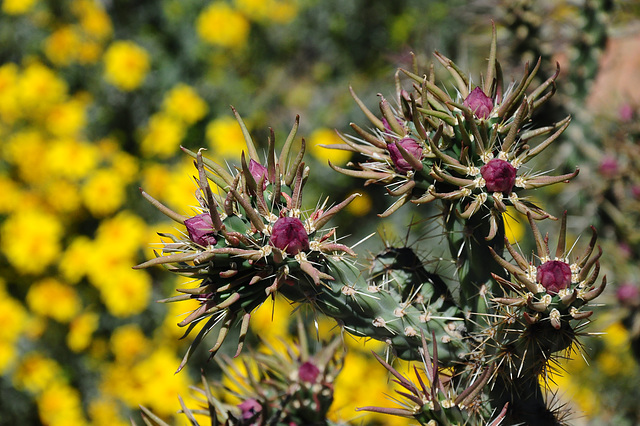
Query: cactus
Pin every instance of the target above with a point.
(510, 319)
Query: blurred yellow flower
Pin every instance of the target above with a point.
(269, 11)
(221, 25)
(17, 7)
(180, 192)
(89, 52)
(67, 119)
(361, 205)
(73, 263)
(125, 232)
(62, 46)
(125, 165)
(128, 343)
(126, 65)
(176, 312)
(162, 136)
(70, 158)
(13, 317)
(81, 330)
(155, 178)
(42, 293)
(35, 373)
(9, 105)
(11, 195)
(60, 405)
(225, 138)
(514, 227)
(126, 292)
(39, 88)
(270, 322)
(62, 196)
(24, 149)
(94, 21)
(8, 354)
(327, 137)
(106, 412)
(31, 240)
(183, 102)
(103, 193)
(616, 335)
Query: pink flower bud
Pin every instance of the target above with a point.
(554, 276)
(499, 175)
(288, 234)
(308, 372)
(200, 229)
(608, 167)
(479, 103)
(258, 171)
(411, 146)
(250, 408)
(628, 295)
(626, 113)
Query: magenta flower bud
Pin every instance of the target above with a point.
(250, 408)
(554, 276)
(258, 171)
(608, 167)
(411, 146)
(200, 229)
(479, 103)
(499, 175)
(288, 234)
(628, 295)
(308, 372)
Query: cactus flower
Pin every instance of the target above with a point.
(308, 372)
(479, 103)
(200, 229)
(250, 408)
(289, 234)
(554, 276)
(499, 175)
(411, 146)
(258, 171)
(628, 295)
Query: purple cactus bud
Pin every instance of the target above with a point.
(608, 167)
(250, 408)
(479, 103)
(625, 113)
(258, 171)
(554, 276)
(499, 175)
(200, 229)
(387, 126)
(411, 146)
(628, 295)
(288, 234)
(308, 372)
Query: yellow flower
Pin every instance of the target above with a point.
(81, 330)
(31, 240)
(24, 149)
(179, 193)
(269, 11)
(61, 47)
(9, 105)
(220, 25)
(94, 21)
(183, 102)
(8, 354)
(17, 7)
(39, 89)
(128, 343)
(126, 291)
(616, 336)
(126, 65)
(13, 317)
(514, 229)
(89, 52)
(67, 119)
(162, 136)
(60, 405)
(155, 178)
(125, 233)
(73, 264)
(42, 293)
(125, 165)
(70, 158)
(35, 373)
(11, 195)
(225, 138)
(271, 321)
(106, 412)
(327, 137)
(176, 312)
(361, 205)
(103, 193)
(62, 196)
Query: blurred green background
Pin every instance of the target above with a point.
(97, 96)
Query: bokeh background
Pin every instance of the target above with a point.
(96, 96)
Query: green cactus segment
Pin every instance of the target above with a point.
(398, 303)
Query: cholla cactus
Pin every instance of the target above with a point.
(498, 335)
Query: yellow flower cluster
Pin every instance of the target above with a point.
(126, 65)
